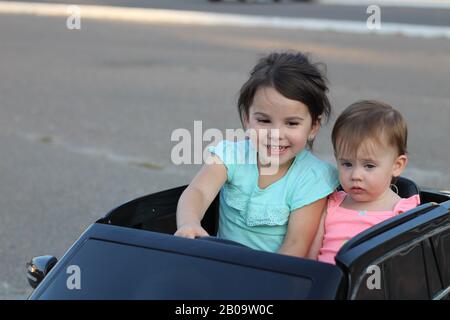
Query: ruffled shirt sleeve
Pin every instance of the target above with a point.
(316, 181)
(225, 150)
(335, 199)
(231, 154)
(406, 204)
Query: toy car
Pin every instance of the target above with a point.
(131, 253)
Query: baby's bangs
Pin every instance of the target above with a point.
(351, 139)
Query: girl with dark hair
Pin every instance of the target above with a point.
(272, 188)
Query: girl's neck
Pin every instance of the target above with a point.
(276, 170)
(385, 202)
(265, 180)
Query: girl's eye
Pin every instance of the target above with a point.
(263, 120)
(370, 166)
(292, 124)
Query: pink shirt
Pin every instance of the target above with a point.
(342, 224)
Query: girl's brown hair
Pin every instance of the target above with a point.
(369, 119)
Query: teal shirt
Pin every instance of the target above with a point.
(258, 218)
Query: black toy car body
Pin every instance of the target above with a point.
(131, 253)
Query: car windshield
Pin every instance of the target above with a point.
(109, 270)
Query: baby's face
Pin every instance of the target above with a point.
(366, 176)
(282, 126)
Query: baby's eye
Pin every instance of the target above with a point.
(370, 166)
(292, 124)
(346, 164)
(263, 120)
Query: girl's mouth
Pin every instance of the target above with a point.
(276, 150)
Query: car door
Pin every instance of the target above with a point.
(407, 257)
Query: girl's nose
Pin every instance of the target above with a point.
(276, 134)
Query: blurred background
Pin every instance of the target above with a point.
(86, 115)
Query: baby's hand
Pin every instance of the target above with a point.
(191, 230)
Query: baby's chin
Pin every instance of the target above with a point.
(361, 197)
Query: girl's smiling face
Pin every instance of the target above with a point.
(282, 126)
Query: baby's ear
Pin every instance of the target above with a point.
(400, 165)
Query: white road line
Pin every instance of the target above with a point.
(430, 4)
(180, 17)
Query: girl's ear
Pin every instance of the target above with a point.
(399, 165)
(315, 128)
(245, 121)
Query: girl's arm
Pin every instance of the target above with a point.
(197, 197)
(318, 240)
(302, 227)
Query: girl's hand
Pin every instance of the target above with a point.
(191, 231)
(197, 197)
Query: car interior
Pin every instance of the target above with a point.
(156, 212)
(415, 242)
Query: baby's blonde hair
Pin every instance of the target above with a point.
(369, 120)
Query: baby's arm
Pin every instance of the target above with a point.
(197, 197)
(302, 228)
(318, 240)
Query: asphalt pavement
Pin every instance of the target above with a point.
(86, 116)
